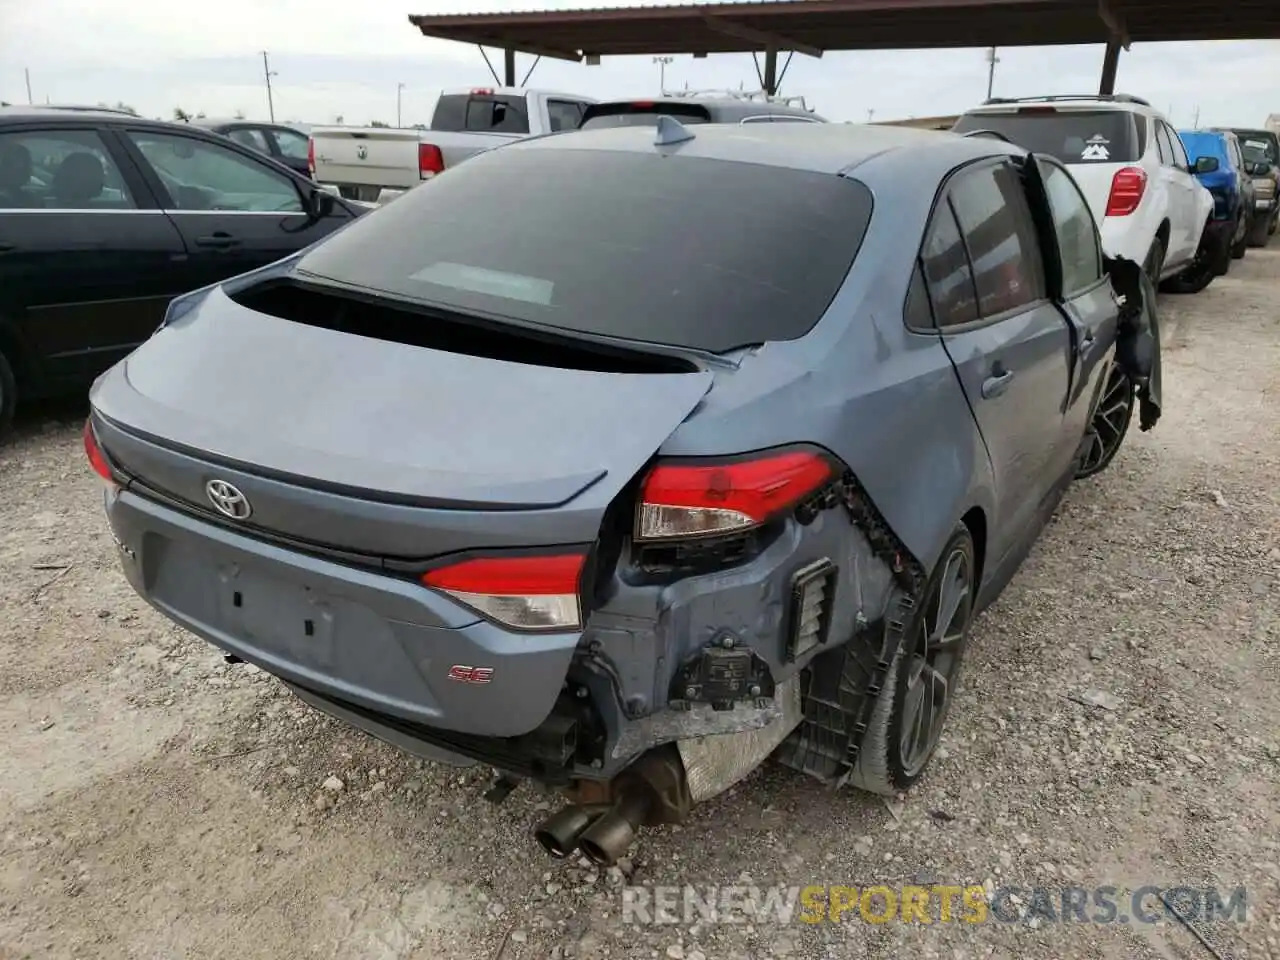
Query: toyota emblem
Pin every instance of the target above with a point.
(227, 500)
(362, 151)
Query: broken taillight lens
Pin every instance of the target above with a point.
(682, 500)
(537, 592)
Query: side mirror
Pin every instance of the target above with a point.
(319, 203)
(1206, 164)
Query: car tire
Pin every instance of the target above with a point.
(1259, 233)
(1239, 247)
(886, 765)
(8, 394)
(1109, 422)
(1155, 261)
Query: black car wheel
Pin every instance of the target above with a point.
(1109, 424)
(1155, 261)
(911, 709)
(1241, 245)
(1200, 272)
(8, 394)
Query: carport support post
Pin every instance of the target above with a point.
(1110, 60)
(770, 71)
(509, 67)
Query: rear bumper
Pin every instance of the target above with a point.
(371, 640)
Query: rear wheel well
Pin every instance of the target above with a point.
(1162, 233)
(976, 521)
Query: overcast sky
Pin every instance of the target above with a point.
(346, 59)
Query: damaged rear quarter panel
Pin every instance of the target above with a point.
(884, 400)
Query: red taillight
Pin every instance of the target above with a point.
(430, 161)
(311, 155)
(482, 91)
(683, 500)
(1036, 110)
(642, 104)
(1127, 187)
(97, 459)
(538, 592)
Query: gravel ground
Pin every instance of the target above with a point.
(156, 803)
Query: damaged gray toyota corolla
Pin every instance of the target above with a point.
(621, 464)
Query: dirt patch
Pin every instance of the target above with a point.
(157, 802)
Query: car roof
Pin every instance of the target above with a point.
(70, 113)
(1119, 102)
(816, 147)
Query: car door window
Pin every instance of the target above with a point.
(564, 114)
(946, 271)
(1076, 230)
(1167, 155)
(60, 170)
(999, 232)
(251, 138)
(292, 145)
(203, 176)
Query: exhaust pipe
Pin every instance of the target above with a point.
(609, 837)
(559, 833)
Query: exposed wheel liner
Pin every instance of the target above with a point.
(880, 764)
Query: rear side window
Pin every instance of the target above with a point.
(497, 115)
(480, 113)
(995, 218)
(1073, 136)
(946, 271)
(675, 250)
(251, 138)
(60, 170)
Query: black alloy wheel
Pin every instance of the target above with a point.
(930, 667)
(911, 708)
(1109, 424)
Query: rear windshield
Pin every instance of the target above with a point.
(674, 250)
(1202, 144)
(638, 115)
(1259, 146)
(1073, 136)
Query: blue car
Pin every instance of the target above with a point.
(1219, 166)
(705, 433)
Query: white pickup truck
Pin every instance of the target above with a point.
(374, 164)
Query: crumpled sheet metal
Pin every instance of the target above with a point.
(713, 764)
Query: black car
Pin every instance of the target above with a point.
(284, 143)
(105, 217)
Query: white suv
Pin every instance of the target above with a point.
(1130, 165)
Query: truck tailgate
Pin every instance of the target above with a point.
(376, 156)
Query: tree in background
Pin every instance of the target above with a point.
(378, 123)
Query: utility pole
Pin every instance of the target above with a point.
(27, 71)
(870, 114)
(399, 88)
(267, 74)
(662, 72)
(992, 60)
(1195, 119)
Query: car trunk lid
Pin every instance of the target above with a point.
(377, 156)
(377, 446)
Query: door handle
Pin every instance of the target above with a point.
(996, 384)
(218, 241)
